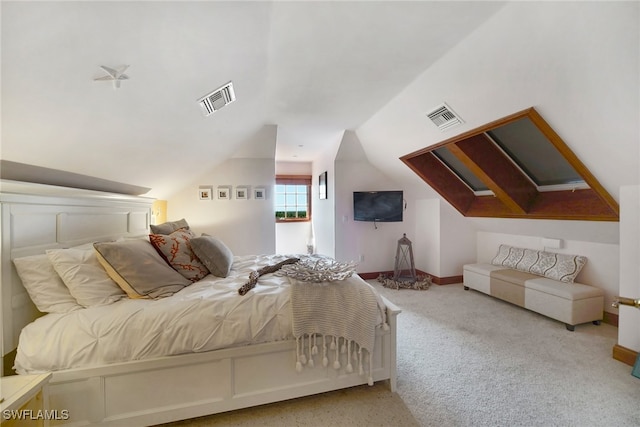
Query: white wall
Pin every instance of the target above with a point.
(445, 240)
(246, 226)
(293, 168)
(324, 210)
(376, 244)
(291, 238)
(427, 252)
(601, 269)
(628, 330)
(457, 244)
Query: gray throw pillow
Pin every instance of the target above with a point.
(138, 269)
(169, 227)
(214, 254)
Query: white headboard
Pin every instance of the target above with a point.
(35, 217)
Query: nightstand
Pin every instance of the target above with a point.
(25, 400)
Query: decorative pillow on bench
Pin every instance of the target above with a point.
(555, 266)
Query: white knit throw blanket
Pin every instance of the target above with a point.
(338, 320)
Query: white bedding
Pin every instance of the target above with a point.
(207, 315)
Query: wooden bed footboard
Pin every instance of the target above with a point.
(179, 387)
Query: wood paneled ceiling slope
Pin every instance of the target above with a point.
(514, 167)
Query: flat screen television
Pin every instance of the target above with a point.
(378, 206)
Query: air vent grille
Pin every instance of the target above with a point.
(444, 117)
(217, 99)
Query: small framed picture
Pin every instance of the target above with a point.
(242, 193)
(322, 185)
(224, 193)
(204, 193)
(259, 193)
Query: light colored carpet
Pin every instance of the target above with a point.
(466, 359)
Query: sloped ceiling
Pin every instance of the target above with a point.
(576, 63)
(309, 68)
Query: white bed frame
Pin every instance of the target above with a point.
(36, 217)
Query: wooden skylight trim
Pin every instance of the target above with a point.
(438, 176)
(514, 193)
(493, 168)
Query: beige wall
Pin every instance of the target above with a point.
(628, 331)
(159, 212)
(246, 226)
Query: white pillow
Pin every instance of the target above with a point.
(44, 286)
(87, 281)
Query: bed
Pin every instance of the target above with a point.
(172, 367)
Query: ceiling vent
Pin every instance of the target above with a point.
(217, 99)
(444, 117)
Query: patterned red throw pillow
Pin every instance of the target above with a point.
(175, 248)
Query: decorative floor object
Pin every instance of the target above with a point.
(404, 269)
(421, 283)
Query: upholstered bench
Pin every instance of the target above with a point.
(564, 300)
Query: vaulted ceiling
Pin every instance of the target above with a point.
(310, 70)
(314, 69)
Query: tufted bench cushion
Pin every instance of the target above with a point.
(571, 303)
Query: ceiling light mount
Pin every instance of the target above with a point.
(116, 75)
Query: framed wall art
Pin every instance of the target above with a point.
(259, 193)
(242, 193)
(204, 193)
(322, 185)
(224, 193)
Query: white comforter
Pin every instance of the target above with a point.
(208, 315)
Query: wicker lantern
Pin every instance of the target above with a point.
(405, 270)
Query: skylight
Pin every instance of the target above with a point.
(527, 146)
(457, 167)
(515, 167)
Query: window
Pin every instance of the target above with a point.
(527, 146)
(293, 198)
(459, 168)
(515, 167)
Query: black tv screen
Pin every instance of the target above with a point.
(378, 206)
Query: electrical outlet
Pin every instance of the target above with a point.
(361, 258)
(551, 243)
